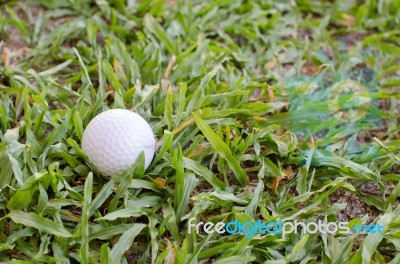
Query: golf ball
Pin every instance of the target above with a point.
(114, 139)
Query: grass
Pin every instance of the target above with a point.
(239, 97)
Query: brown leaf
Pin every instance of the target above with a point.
(159, 182)
(275, 184)
(287, 175)
(31, 101)
(232, 134)
(271, 64)
(309, 69)
(159, 143)
(170, 66)
(170, 258)
(182, 126)
(198, 150)
(110, 89)
(346, 19)
(118, 69)
(5, 56)
(316, 210)
(271, 96)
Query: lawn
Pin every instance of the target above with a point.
(264, 112)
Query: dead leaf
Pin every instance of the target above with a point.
(170, 66)
(170, 258)
(182, 126)
(232, 135)
(159, 143)
(256, 95)
(271, 64)
(287, 175)
(275, 184)
(5, 56)
(309, 69)
(118, 69)
(110, 90)
(346, 20)
(198, 150)
(271, 96)
(31, 101)
(159, 182)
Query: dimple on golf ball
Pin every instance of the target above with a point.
(114, 139)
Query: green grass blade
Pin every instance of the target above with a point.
(125, 242)
(203, 172)
(84, 230)
(39, 222)
(222, 149)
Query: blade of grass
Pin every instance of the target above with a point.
(39, 222)
(84, 227)
(222, 149)
(125, 242)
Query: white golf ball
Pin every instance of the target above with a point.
(114, 139)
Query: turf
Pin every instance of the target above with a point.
(262, 110)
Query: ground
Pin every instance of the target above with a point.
(262, 110)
